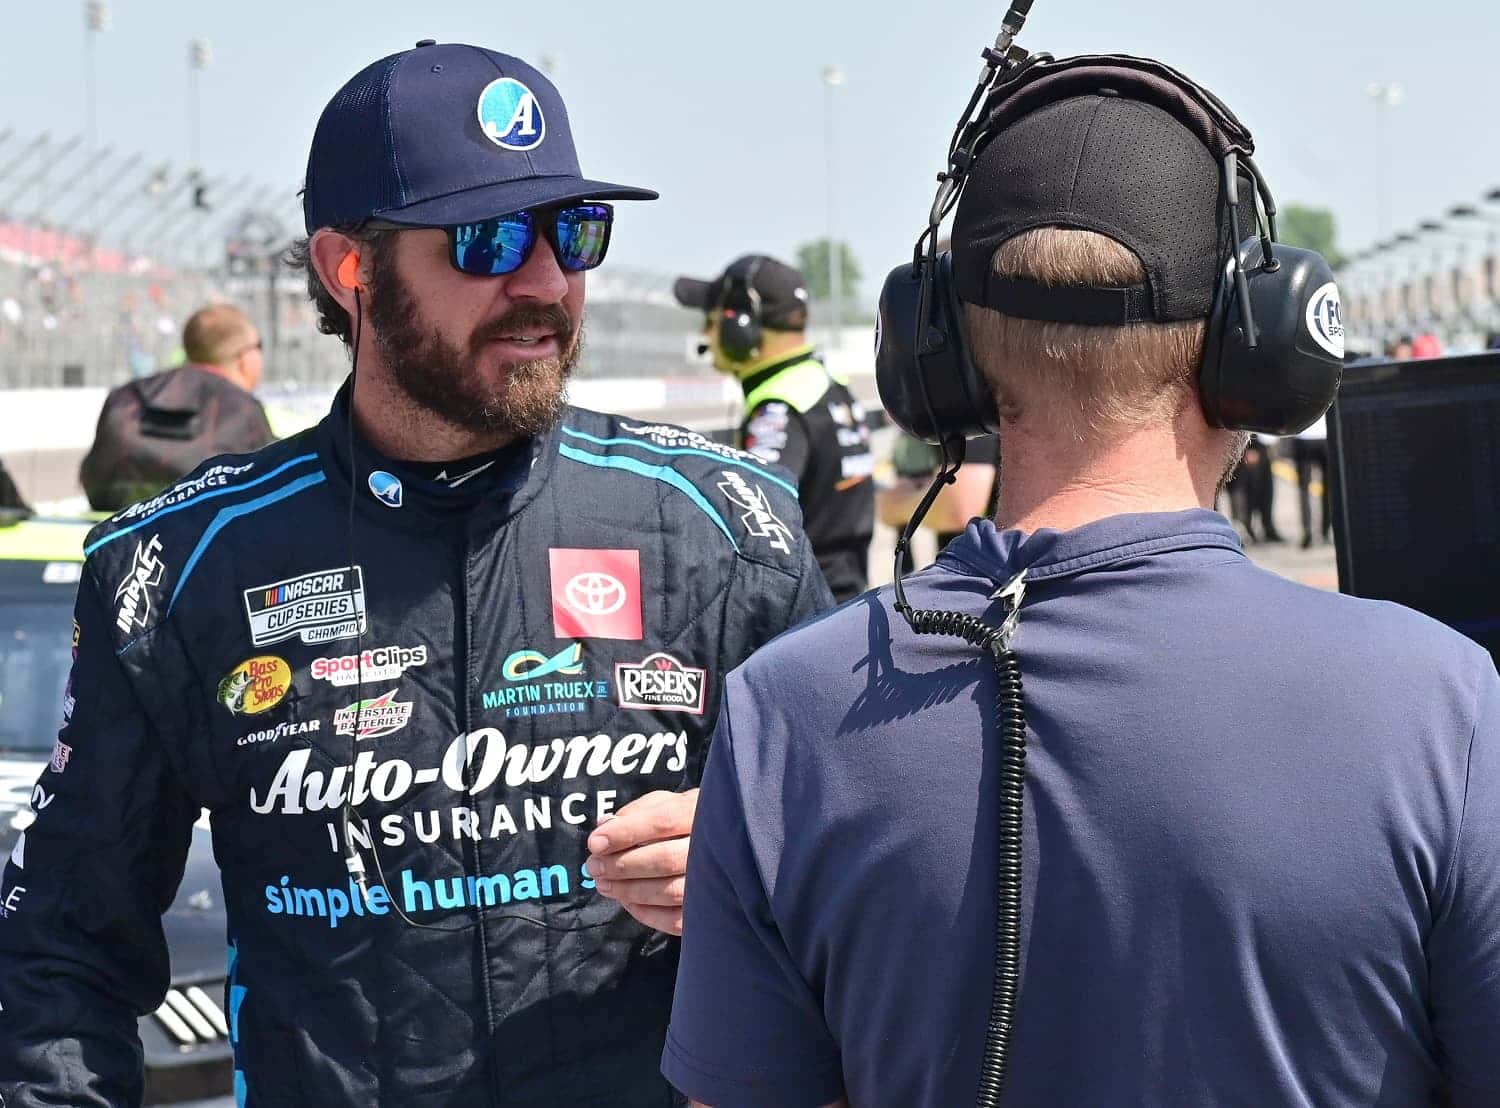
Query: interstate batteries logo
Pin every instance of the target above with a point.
(317, 607)
(383, 715)
(661, 682)
(255, 685)
(383, 663)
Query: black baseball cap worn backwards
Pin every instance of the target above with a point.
(781, 289)
(1114, 162)
(445, 134)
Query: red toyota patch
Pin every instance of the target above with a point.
(596, 594)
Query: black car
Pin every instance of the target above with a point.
(186, 1040)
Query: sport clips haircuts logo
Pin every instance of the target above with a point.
(660, 681)
(318, 607)
(134, 594)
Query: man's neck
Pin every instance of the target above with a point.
(224, 371)
(1050, 480)
(398, 427)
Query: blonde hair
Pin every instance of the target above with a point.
(216, 334)
(1080, 378)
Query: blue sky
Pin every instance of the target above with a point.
(720, 106)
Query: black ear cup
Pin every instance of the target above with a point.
(1288, 380)
(927, 381)
(739, 332)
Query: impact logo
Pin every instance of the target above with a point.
(1325, 320)
(661, 681)
(134, 594)
(511, 116)
(386, 488)
(760, 521)
(318, 607)
(383, 715)
(255, 685)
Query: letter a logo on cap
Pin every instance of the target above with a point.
(511, 116)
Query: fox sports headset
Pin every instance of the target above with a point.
(1265, 368)
(740, 325)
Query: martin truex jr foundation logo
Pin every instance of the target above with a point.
(316, 607)
(661, 682)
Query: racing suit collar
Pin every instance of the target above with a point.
(990, 552)
(410, 496)
(756, 376)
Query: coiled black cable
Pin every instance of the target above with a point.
(995, 641)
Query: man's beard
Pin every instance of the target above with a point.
(446, 380)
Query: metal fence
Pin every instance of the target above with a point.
(1440, 278)
(103, 259)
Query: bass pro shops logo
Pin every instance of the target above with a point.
(317, 607)
(255, 685)
(134, 594)
(660, 681)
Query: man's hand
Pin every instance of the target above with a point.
(639, 858)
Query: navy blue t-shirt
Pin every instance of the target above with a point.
(1262, 844)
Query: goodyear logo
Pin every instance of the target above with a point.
(255, 685)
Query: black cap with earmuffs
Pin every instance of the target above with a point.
(1131, 149)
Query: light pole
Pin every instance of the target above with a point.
(833, 77)
(200, 54)
(1386, 97)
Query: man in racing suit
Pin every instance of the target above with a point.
(409, 661)
(797, 413)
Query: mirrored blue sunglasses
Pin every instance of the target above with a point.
(492, 247)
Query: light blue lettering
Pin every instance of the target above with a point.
(413, 888)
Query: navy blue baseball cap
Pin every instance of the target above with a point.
(445, 134)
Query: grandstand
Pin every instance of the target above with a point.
(101, 262)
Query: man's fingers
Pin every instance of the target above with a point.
(652, 818)
(668, 920)
(664, 859)
(654, 892)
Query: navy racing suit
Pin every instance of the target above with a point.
(483, 672)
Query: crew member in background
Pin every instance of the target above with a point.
(797, 413)
(157, 429)
(1309, 451)
(971, 496)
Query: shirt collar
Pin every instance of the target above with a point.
(1046, 553)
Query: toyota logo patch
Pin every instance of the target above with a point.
(596, 594)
